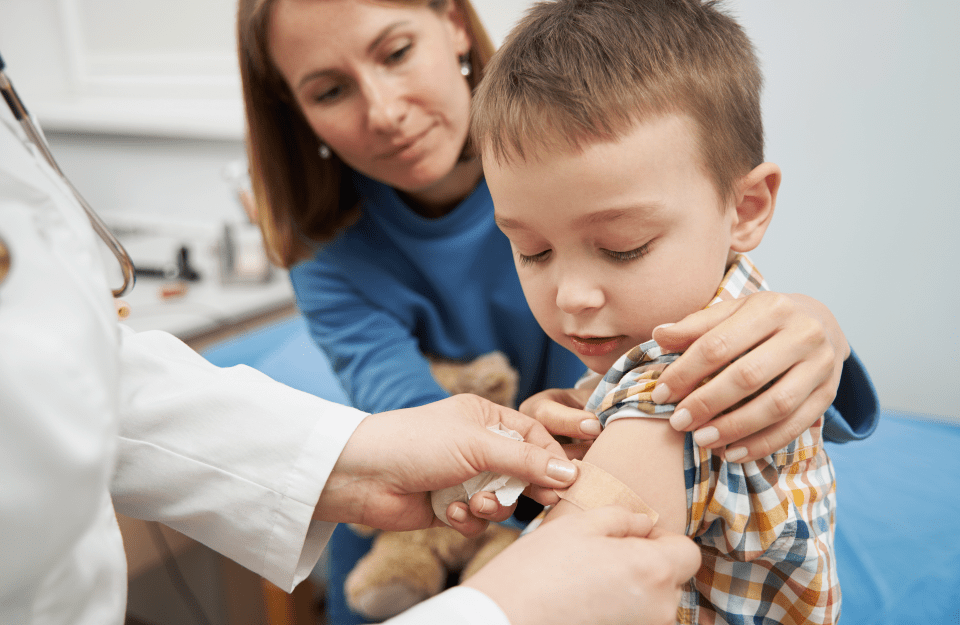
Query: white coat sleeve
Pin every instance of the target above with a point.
(228, 457)
(460, 605)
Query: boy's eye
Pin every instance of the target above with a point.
(535, 258)
(628, 256)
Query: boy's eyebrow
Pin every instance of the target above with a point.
(507, 223)
(591, 219)
(611, 214)
(383, 34)
(635, 211)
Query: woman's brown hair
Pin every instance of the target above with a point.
(303, 199)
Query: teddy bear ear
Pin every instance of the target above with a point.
(496, 379)
(490, 376)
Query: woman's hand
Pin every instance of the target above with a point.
(593, 568)
(393, 460)
(791, 342)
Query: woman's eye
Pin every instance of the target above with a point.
(628, 256)
(535, 258)
(399, 54)
(328, 95)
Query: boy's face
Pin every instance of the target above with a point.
(613, 241)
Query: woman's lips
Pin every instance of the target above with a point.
(407, 147)
(596, 345)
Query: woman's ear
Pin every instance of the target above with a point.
(756, 200)
(459, 29)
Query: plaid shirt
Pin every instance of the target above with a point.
(765, 528)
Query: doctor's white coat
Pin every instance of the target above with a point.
(94, 417)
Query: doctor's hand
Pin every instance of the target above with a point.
(592, 568)
(788, 347)
(393, 460)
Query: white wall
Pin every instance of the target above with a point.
(861, 112)
(861, 108)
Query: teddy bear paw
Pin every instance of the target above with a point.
(387, 601)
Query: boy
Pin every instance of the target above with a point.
(622, 143)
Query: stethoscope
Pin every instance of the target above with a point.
(35, 137)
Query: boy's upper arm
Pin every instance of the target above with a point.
(646, 454)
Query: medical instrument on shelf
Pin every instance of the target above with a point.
(35, 137)
(180, 269)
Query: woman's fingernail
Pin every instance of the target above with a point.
(660, 394)
(459, 515)
(705, 436)
(681, 419)
(663, 325)
(561, 470)
(735, 454)
(591, 427)
(488, 506)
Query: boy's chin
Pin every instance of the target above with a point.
(599, 365)
(603, 364)
(596, 367)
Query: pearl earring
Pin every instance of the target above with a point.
(324, 151)
(465, 68)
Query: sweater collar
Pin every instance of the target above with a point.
(383, 204)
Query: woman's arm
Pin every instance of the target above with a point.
(374, 355)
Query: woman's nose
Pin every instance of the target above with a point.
(386, 106)
(577, 293)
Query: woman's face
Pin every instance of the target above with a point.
(379, 83)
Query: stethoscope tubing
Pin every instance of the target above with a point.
(35, 137)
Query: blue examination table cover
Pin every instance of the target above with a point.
(898, 492)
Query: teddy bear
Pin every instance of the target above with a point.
(404, 568)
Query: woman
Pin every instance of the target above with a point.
(369, 192)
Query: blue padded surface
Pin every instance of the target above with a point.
(898, 523)
(285, 352)
(898, 493)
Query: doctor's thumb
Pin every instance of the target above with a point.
(529, 463)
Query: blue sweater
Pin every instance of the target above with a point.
(396, 285)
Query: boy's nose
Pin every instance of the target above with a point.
(576, 294)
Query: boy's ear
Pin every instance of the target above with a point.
(756, 200)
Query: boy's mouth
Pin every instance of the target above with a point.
(595, 345)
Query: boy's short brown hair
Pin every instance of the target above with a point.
(579, 71)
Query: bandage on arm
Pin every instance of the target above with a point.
(595, 488)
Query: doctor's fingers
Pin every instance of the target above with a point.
(528, 462)
(484, 507)
(462, 519)
(581, 557)
(532, 431)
